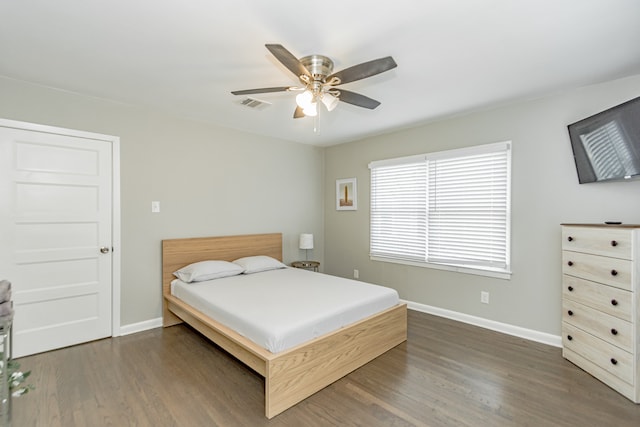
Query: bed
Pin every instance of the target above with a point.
(300, 370)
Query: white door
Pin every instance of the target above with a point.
(56, 237)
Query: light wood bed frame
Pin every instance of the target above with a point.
(299, 372)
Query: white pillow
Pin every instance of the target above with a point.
(207, 270)
(255, 264)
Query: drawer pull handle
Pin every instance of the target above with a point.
(569, 337)
(614, 302)
(570, 313)
(570, 239)
(614, 243)
(614, 331)
(570, 263)
(614, 361)
(614, 273)
(570, 288)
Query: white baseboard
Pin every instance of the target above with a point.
(141, 326)
(504, 328)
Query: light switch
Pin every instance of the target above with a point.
(155, 207)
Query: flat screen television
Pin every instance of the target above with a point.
(606, 146)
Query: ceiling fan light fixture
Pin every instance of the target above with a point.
(329, 101)
(311, 110)
(304, 99)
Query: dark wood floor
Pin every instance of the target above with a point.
(446, 374)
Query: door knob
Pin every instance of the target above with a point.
(104, 249)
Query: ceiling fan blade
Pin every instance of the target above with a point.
(364, 70)
(357, 99)
(297, 114)
(288, 60)
(261, 90)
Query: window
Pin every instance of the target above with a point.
(447, 210)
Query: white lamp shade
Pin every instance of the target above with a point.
(306, 241)
(311, 110)
(304, 99)
(329, 101)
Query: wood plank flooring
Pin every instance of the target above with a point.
(446, 374)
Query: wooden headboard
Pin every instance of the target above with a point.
(177, 253)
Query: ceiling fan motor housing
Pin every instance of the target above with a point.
(318, 65)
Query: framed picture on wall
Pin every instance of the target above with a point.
(346, 194)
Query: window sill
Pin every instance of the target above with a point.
(498, 274)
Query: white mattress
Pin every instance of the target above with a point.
(280, 309)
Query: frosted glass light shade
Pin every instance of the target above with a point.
(311, 110)
(304, 99)
(306, 241)
(329, 101)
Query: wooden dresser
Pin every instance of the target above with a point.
(601, 303)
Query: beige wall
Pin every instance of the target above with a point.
(210, 181)
(545, 193)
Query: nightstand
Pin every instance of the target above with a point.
(307, 265)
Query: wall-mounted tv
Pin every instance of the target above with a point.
(606, 146)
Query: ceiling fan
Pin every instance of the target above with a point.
(318, 82)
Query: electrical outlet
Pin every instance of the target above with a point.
(484, 297)
(356, 274)
(155, 207)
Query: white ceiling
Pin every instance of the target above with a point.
(184, 57)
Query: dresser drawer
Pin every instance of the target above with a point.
(613, 301)
(607, 356)
(612, 242)
(604, 326)
(622, 387)
(610, 271)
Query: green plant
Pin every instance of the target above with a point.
(16, 378)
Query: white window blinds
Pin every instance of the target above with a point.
(447, 208)
(399, 210)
